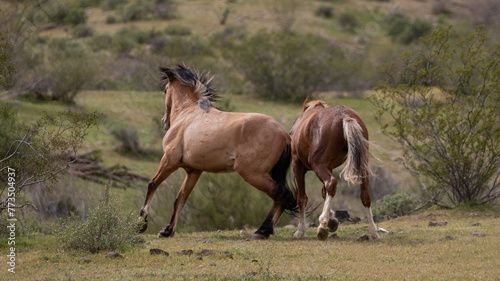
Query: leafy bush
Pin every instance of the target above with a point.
(82, 31)
(111, 19)
(401, 28)
(348, 21)
(399, 204)
(104, 228)
(75, 17)
(40, 152)
(441, 106)
(287, 66)
(128, 137)
(58, 14)
(324, 12)
(100, 42)
(71, 68)
(137, 10)
(229, 37)
(397, 24)
(417, 29)
(113, 4)
(178, 30)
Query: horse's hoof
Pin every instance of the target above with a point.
(322, 233)
(258, 236)
(165, 233)
(333, 224)
(299, 235)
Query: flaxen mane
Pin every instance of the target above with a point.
(200, 83)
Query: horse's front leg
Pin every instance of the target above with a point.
(188, 185)
(164, 170)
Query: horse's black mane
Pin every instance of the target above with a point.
(200, 83)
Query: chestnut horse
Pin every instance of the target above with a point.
(202, 138)
(324, 137)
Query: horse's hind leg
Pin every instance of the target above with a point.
(265, 183)
(299, 170)
(326, 220)
(183, 194)
(164, 170)
(366, 199)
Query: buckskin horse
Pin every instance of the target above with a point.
(202, 138)
(323, 138)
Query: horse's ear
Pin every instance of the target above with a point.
(167, 74)
(304, 105)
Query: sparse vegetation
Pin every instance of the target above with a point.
(399, 204)
(103, 229)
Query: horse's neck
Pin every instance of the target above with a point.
(182, 106)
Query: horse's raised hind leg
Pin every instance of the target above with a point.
(183, 194)
(300, 172)
(326, 220)
(164, 170)
(366, 199)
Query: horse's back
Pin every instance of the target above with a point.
(321, 140)
(220, 141)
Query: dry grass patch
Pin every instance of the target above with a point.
(412, 251)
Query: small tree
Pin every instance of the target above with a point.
(40, 152)
(443, 107)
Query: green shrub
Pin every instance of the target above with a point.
(397, 24)
(128, 137)
(229, 37)
(324, 12)
(111, 19)
(137, 10)
(401, 28)
(70, 69)
(113, 4)
(178, 30)
(348, 21)
(75, 17)
(417, 29)
(289, 66)
(440, 103)
(82, 31)
(399, 204)
(100, 42)
(104, 228)
(58, 14)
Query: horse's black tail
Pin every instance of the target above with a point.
(285, 191)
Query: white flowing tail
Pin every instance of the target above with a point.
(356, 167)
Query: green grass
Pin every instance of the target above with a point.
(412, 251)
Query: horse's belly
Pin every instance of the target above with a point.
(210, 161)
